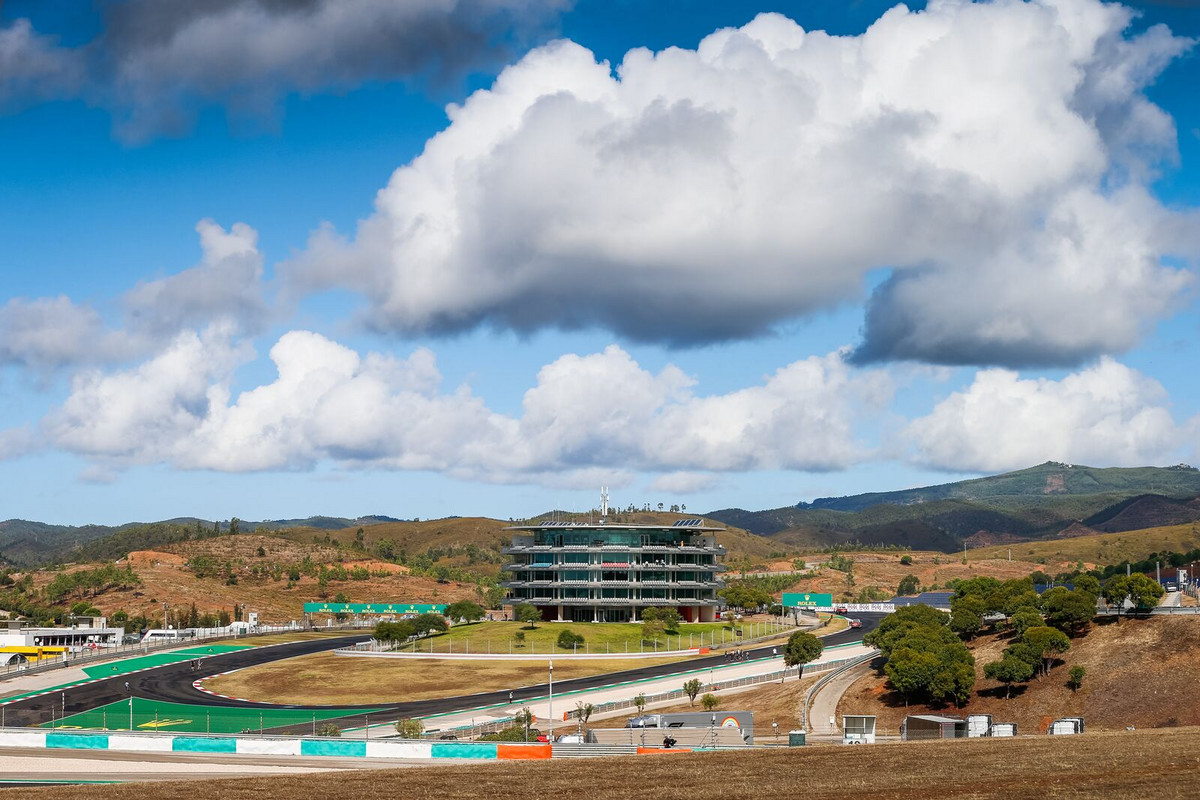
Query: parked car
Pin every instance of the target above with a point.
(855, 623)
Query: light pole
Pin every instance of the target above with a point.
(164, 616)
(130, 693)
(550, 735)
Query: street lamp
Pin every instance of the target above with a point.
(550, 735)
(164, 616)
(130, 693)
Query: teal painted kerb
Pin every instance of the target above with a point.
(76, 741)
(206, 744)
(316, 747)
(463, 750)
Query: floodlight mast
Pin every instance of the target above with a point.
(603, 504)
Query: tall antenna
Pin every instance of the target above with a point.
(603, 504)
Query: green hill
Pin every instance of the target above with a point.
(1034, 503)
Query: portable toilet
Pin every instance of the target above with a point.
(1004, 729)
(978, 725)
(858, 729)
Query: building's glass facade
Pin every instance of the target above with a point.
(584, 572)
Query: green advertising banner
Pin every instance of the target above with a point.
(373, 608)
(807, 600)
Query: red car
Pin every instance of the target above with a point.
(855, 623)
(840, 610)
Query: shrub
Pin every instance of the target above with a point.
(329, 729)
(409, 728)
(569, 640)
(710, 701)
(1075, 677)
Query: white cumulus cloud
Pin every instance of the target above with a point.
(699, 195)
(1106, 414)
(597, 417)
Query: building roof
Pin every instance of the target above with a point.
(933, 718)
(935, 599)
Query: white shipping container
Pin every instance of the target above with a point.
(978, 725)
(1004, 729)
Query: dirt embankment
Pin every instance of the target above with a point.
(1141, 673)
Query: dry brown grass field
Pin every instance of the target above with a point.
(166, 579)
(1141, 673)
(327, 679)
(1158, 764)
(1104, 548)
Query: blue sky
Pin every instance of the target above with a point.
(931, 244)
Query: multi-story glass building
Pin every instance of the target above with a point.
(596, 572)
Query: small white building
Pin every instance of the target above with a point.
(858, 729)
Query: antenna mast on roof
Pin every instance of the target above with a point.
(603, 504)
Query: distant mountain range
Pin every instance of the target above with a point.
(1042, 502)
(1035, 503)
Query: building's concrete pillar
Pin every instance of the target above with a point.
(560, 614)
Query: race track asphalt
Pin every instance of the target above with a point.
(173, 682)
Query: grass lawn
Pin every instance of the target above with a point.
(600, 637)
(325, 678)
(151, 715)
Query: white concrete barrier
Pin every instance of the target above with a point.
(386, 749)
(269, 747)
(21, 739)
(148, 744)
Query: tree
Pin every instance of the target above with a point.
(800, 649)
(1069, 611)
(409, 728)
(670, 619)
(692, 688)
(1046, 643)
(465, 610)
(329, 729)
(569, 640)
(234, 526)
(1144, 591)
(524, 612)
(906, 560)
(1087, 583)
(1075, 677)
(425, 624)
(966, 615)
(1008, 670)
(1024, 619)
(583, 712)
(909, 585)
(639, 702)
(710, 701)
(900, 622)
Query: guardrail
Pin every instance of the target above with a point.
(102, 654)
(816, 687)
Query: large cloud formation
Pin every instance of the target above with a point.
(586, 413)
(226, 287)
(695, 196)
(156, 63)
(1106, 414)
